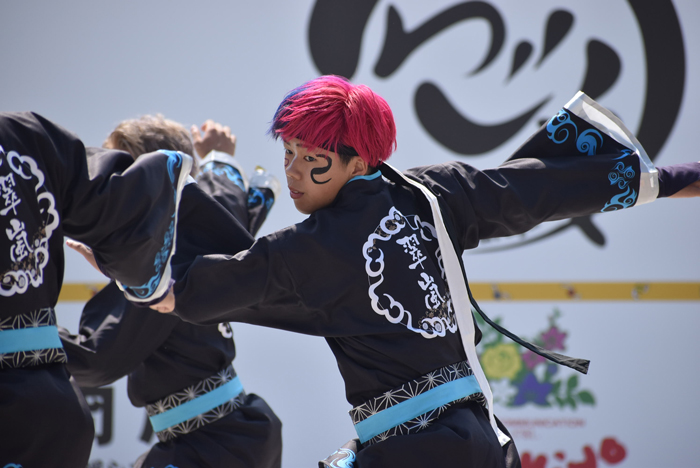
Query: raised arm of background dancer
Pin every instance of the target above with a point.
(216, 145)
(219, 174)
(213, 137)
(264, 189)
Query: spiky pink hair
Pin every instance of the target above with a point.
(330, 112)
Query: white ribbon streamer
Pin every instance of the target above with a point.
(460, 301)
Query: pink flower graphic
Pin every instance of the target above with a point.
(553, 338)
(532, 359)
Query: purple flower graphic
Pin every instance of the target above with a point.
(524, 377)
(532, 359)
(553, 338)
(530, 390)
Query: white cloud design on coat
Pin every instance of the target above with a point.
(432, 322)
(26, 268)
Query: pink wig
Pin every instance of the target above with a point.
(331, 113)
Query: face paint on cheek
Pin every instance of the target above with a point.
(321, 170)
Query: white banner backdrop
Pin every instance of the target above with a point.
(490, 73)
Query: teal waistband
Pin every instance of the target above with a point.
(29, 339)
(419, 404)
(199, 405)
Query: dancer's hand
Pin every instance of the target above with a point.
(167, 305)
(85, 251)
(215, 137)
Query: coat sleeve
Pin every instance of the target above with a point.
(125, 211)
(220, 176)
(583, 161)
(250, 200)
(676, 177)
(519, 195)
(142, 204)
(115, 336)
(113, 339)
(255, 286)
(263, 190)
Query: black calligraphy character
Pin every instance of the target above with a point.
(147, 432)
(100, 400)
(335, 40)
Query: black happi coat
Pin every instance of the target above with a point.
(163, 355)
(366, 273)
(127, 212)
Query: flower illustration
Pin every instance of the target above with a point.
(502, 361)
(531, 390)
(532, 359)
(520, 376)
(553, 338)
(503, 391)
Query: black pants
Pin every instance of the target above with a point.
(462, 436)
(249, 436)
(44, 420)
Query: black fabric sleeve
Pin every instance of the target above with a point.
(520, 194)
(676, 177)
(225, 185)
(113, 339)
(116, 336)
(253, 286)
(260, 201)
(224, 182)
(127, 218)
(124, 211)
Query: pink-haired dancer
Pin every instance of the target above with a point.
(376, 268)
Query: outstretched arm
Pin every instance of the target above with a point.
(220, 288)
(679, 180)
(692, 190)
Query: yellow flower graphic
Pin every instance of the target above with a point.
(501, 361)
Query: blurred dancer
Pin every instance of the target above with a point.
(51, 186)
(169, 362)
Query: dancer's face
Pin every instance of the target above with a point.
(315, 175)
